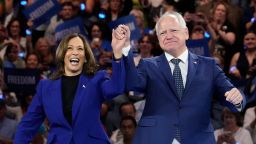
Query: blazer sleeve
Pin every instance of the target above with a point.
(222, 85)
(135, 76)
(115, 85)
(32, 120)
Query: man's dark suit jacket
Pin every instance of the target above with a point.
(164, 112)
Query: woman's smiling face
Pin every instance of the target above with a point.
(74, 57)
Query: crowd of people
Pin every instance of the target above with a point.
(228, 27)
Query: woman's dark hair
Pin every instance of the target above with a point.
(237, 116)
(105, 31)
(9, 26)
(221, 3)
(9, 48)
(89, 68)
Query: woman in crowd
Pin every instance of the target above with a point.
(243, 63)
(232, 132)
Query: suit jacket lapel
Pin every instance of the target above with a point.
(56, 96)
(166, 70)
(81, 87)
(192, 67)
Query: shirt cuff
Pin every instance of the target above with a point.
(239, 107)
(126, 50)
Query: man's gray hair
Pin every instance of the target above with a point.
(172, 14)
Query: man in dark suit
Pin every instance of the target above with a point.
(178, 86)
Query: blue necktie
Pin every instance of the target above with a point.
(177, 77)
(179, 87)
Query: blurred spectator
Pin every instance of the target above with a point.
(12, 59)
(222, 33)
(139, 17)
(14, 33)
(65, 14)
(7, 125)
(232, 132)
(3, 41)
(197, 32)
(127, 129)
(243, 64)
(2, 11)
(234, 16)
(219, 60)
(13, 107)
(104, 5)
(77, 6)
(146, 45)
(250, 16)
(197, 25)
(125, 109)
(105, 62)
(32, 61)
(250, 122)
(189, 18)
(42, 48)
(202, 2)
(115, 10)
(153, 12)
(9, 11)
(2, 82)
(99, 42)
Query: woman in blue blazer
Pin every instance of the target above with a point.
(71, 99)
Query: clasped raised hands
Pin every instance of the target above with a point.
(120, 39)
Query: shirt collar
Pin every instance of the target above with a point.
(183, 57)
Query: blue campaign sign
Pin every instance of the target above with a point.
(129, 21)
(21, 80)
(199, 47)
(68, 27)
(41, 11)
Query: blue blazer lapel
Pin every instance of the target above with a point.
(56, 96)
(81, 87)
(192, 67)
(166, 70)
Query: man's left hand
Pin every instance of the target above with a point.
(234, 96)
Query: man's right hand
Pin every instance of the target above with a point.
(120, 38)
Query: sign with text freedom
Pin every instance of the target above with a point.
(41, 11)
(21, 80)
